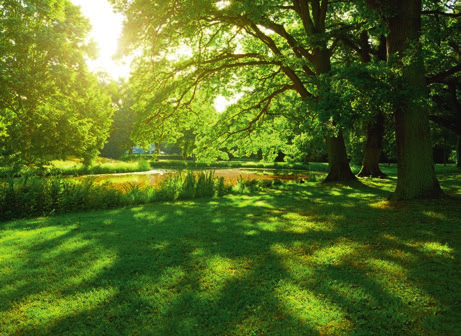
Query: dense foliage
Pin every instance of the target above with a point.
(51, 106)
(303, 80)
(297, 72)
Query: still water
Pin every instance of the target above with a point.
(154, 177)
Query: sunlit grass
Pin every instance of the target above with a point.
(100, 166)
(315, 166)
(309, 259)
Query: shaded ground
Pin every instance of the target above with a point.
(304, 260)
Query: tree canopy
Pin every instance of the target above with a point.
(51, 106)
(297, 67)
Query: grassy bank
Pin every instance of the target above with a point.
(76, 168)
(31, 195)
(306, 259)
(101, 166)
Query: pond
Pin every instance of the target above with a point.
(154, 177)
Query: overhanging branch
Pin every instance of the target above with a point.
(451, 124)
(443, 75)
(436, 12)
(267, 102)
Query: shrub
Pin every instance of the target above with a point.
(221, 187)
(188, 187)
(251, 185)
(168, 189)
(143, 165)
(205, 184)
(277, 182)
(265, 183)
(135, 193)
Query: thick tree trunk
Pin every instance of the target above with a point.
(416, 173)
(373, 146)
(339, 169)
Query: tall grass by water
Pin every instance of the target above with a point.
(33, 195)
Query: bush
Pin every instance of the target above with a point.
(277, 182)
(205, 184)
(169, 189)
(221, 188)
(34, 195)
(188, 186)
(143, 165)
(253, 185)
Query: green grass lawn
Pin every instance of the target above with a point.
(100, 166)
(310, 259)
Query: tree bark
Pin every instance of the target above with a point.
(375, 129)
(156, 151)
(338, 164)
(458, 152)
(373, 147)
(416, 173)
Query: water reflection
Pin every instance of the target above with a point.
(154, 177)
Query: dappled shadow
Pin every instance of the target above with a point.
(307, 260)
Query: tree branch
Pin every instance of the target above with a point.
(226, 55)
(281, 31)
(268, 101)
(323, 12)
(287, 70)
(302, 8)
(348, 42)
(454, 15)
(285, 7)
(451, 124)
(221, 57)
(443, 75)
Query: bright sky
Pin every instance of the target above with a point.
(107, 28)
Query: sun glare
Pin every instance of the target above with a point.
(107, 28)
(222, 4)
(221, 103)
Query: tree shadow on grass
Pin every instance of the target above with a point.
(303, 262)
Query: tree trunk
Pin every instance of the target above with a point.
(338, 165)
(375, 129)
(458, 152)
(373, 146)
(339, 169)
(416, 173)
(156, 151)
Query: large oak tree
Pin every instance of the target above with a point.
(416, 174)
(266, 50)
